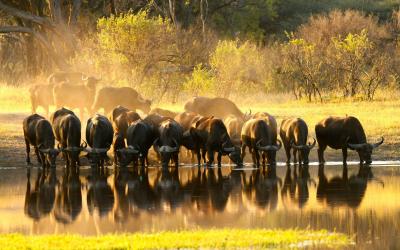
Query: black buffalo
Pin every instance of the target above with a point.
(99, 136)
(294, 135)
(38, 133)
(140, 138)
(342, 133)
(121, 118)
(169, 141)
(218, 107)
(257, 135)
(212, 135)
(67, 129)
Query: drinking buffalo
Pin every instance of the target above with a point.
(140, 138)
(169, 141)
(218, 107)
(99, 135)
(188, 120)
(38, 133)
(213, 137)
(294, 134)
(67, 130)
(258, 136)
(342, 133)
(110, 97)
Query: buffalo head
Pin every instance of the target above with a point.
(364, 150)
(50, 155)
(304, 150)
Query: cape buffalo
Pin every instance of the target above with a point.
(99, 136)
(75, 95)
(140, 138)
(213, 137)
(121, 118)
(64, 76)
(110, 97)
(258, 136)
(41, 95)
(294, 134)
(169, 141)
(188, 120)
(67, 129)
(234, 126)
(38, 133)
(342, 133)
(218, 107)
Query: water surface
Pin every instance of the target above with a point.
(360, 201)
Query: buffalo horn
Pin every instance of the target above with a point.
(375, 145)
(310, 146)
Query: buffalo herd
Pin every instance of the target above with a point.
(207, 126)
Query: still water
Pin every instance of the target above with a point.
(359, 201)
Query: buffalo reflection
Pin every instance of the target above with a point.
(39, 201)
(264, 185)
(295, 187)
(344, 190)
(100, 196)
(69, 197)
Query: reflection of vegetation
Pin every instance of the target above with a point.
(216, 238)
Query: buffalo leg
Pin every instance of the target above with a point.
(263, 157)
(257, 154)
(198, 157)
(295, 156)
(321, 150)
(344, 152)
(203, 153)
(43, 159)
(176, 159)
(38, 155)
(287, 151)
(219, 159)
(28, 150)
(243, 151)
(210, 157)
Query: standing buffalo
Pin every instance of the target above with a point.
(258, 136)
(74, 95)
(342, 133)
(38, 133)
(169, 141)
(41, 95)
(65, 76)
(140, 138)
(294, 134)
(213, 137)
(218, 107)
(67, 130)
(110, 97)
(99, 135)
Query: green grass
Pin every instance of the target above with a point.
(215, 238)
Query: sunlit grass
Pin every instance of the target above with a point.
(14, 99)
(215, 238)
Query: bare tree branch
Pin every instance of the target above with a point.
(25, 15)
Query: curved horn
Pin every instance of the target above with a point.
(293, 145)
(375, 145)
(355, 146)
(230, 149)
(167, 149)
(132, 150)
(310, 146)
